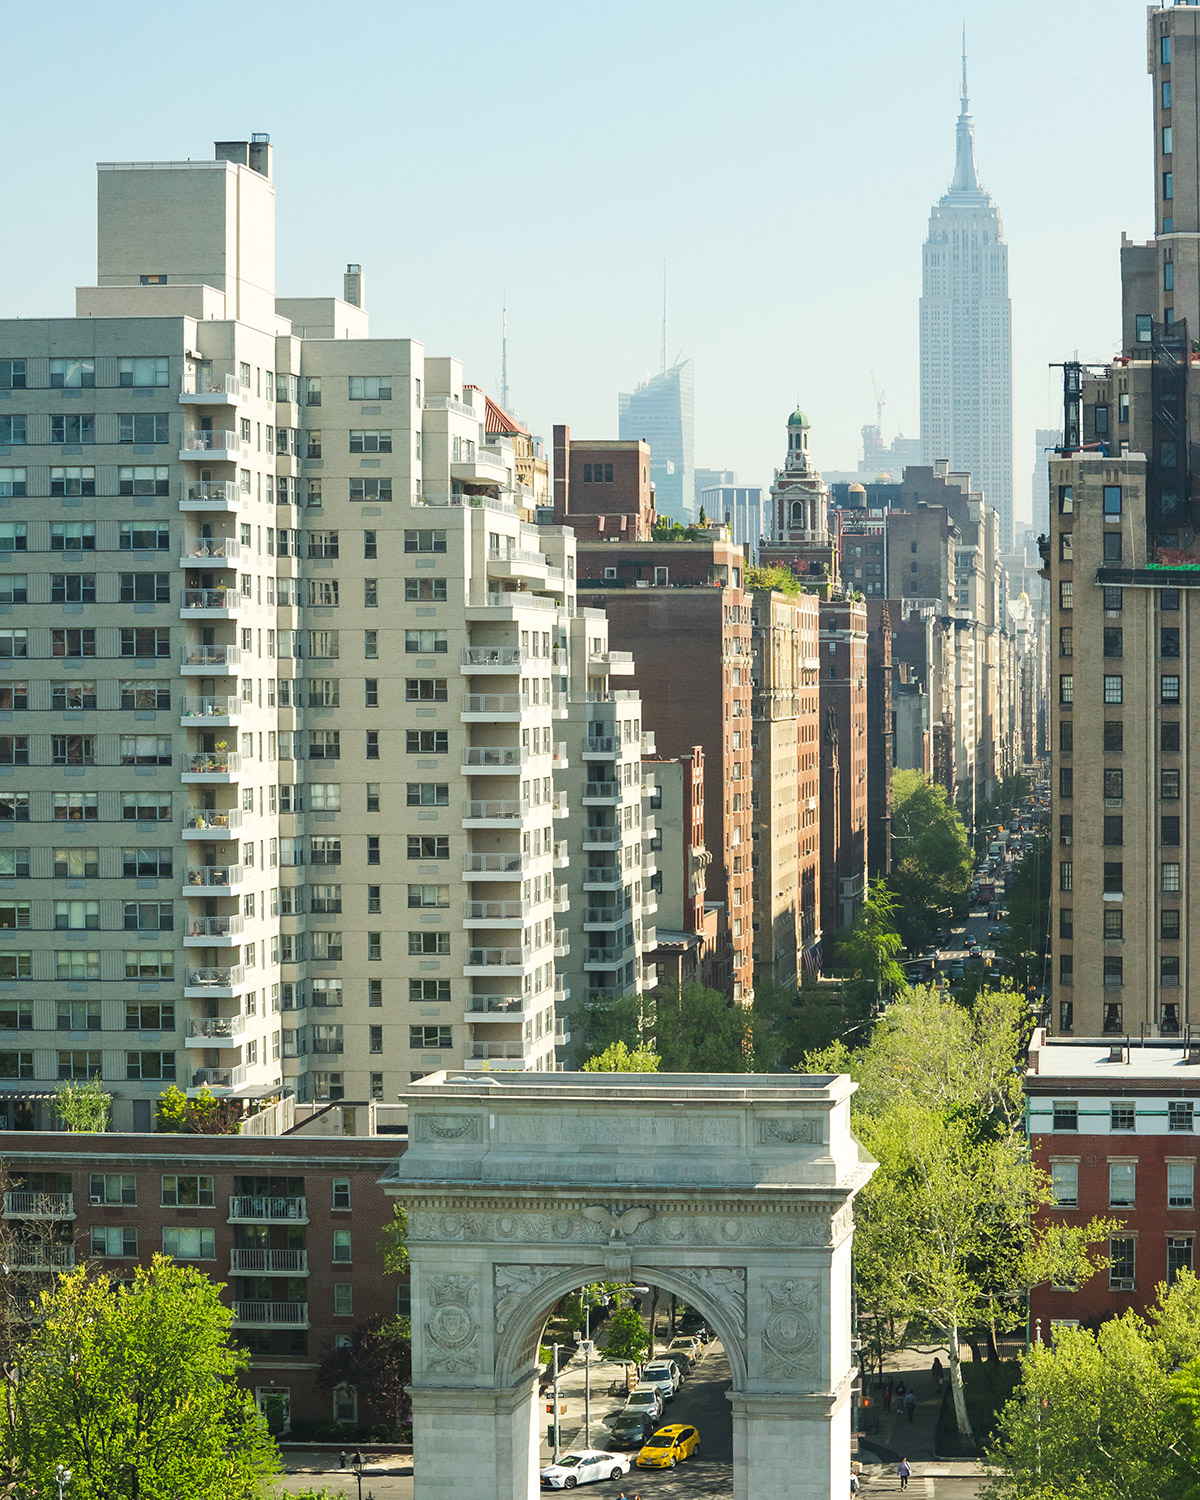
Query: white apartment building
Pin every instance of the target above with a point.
(283, 681)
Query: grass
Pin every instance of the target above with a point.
(987, 1386)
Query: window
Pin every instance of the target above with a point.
(341, 1246)
(343, 1299)
(115, 1241)
(73, 749)
(326, 947)
(1169, 830)
(1065, 875)
(1179, 1249)
(112, 1187)
(1179, 1115)
(1065, 593)
(146, 807)
(1114, 784)
(144, 643)
(72, 374)
(429, 896)
(1169, 738)
(324, 796)
(428, 1037)
(427, 794)
(188, 1192)
(149, 963)
(16, 1064)
(1113, 689)
(326, 899)
(150, 371)
(76, 864)
(78, 1066)
(1123, 407)
(1168, 924)
(1180, 1188)
(72, 481)
(1064, 1184)
(144, 536)
(1114, 641)
(1066, 781)
(323, 544)
(424, 541)
(1100, 420)
(1066, 689)
(71, 588)
(73, 430)
(14, 644)
(426, 741)
(187, 1243)
(370, 441)
(1114, 971)
(148, 916)
(76, 916)
(323, 593)
(422, 990)
(370, 489)
(1112, 492)
(14, 749)
(1168, 185)
(12, 432)
(1114, 878)
(1066, 736)
(370, 593)
(143, 427)
(145, 693)
(12, 374)
(1122, 1115)
(1122, 1184)
(425, 690)
(1168, 641)
(1066, 1016)
(1066, 645)
(14, 534)
(145, 588)
(325, 851)
(425, 642)
(13, 914)
(1114, 926)
(1170, 877)
(428, 942)
(327, 994)
(370, 644)
(324, 644)
(370, 387)
(324, 744)
(1114, 829)
(145, 750)
(1121, 1263)
(427, 590)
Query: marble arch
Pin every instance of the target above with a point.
(733, 1191)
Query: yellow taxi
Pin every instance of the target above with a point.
(668, 1446)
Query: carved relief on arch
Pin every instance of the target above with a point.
(723, 1285)
(452, 1327)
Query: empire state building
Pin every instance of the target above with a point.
(966, 334)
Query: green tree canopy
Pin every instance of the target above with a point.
(1024, 943)
(619, 1057)
(691, 1028)
(626, 1338)
(83, 1106)
(781, 580)
(1108, 1415)
(931, 856)
(134, 1390)
(866, 952)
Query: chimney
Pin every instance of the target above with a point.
(353, 285)
(254, 153)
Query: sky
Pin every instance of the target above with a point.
(781, 158)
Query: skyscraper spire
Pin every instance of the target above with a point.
(663, 366)
(966, 179)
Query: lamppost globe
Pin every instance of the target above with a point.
(62, 1477)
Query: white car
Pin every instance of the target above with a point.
(662, 1374)
(584, 1466)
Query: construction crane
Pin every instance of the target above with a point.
(880, 400)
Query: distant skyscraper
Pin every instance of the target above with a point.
(966, 334)
(1048, 439)
(662, 410)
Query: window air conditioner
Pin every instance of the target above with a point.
(95, 1198)
(1122, 1286)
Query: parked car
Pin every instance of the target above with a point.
(668, 1446)
(663, 1375)
(584, 1466)
(682, 1363)
(687, 1344)
(630, 1429)
(646, 1399)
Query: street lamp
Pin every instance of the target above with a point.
(356, 1465)
(62, 1477)
(586, 1345)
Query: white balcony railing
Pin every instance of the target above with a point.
(197, 550)
(502, 808)
(214, 762)
(215, 927)
(217, 821)
(210, 599)
(211, 708)
(218, 492)
(264, 1209)
(211, 442)
(216, 657)
(219, 1078)
(497, 958)
(496, 1005)
(497, 911)
(215, 979)
(493, 758)
(271, 1314)
(21, 1203)
(215, 1026)
(493, 656)
(214, 875)
(496, 1051)
(268, 1262)
(491, 703)
(211, 385)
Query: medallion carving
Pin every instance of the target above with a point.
(452, 1328)
(791, 1329)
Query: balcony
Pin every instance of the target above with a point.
(602, 878)
(200, 880)
(560, 807)
(511, 1008)
(617, 663)
(268, 1262)
(484, 468)
(605, 916)
(213, 983)
(209, 661)
(562, 899)
(215, 1031)
(209, 552)
(23, 1204)
(209, 604)
(211, 767)
(267, 1210)
(44, 1258)
(217, 1080)
(562, 944)
(494, 866)
(562, 761)
(212, 390)
(601, 747)
(483, 760)
(270, 1314)
(491, 708)
(214, 711)
(210, 494)
(601, 838)
(648, 742)
(448, 403)
(562, 855)
(211, 823)
(482, 598)
(210, 447)
(482, 962)
(606, 958)
(505, 660)
(602, 793)
(518, 562)
(495, 913)
(499, 813)
(498, 1057)
(213, 932)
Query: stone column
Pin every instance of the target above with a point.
(494, 1453)
(791, 1445)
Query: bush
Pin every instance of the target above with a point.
(348, 1434)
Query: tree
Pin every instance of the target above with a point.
(931, 856)
(1023, 944)
(203, 1115)
(1109, 1415)
(626, 1338)
(692, 1029)
(377, 1365)
(393, 1242)
(866, 952)
(619, 1057)
(947, 1228)
(779, 579)
(133, 1388)
(83, 1106)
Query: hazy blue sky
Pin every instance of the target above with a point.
(781, 156)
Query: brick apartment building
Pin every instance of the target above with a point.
(602, 488)
(680, 608)
(1115, 1128)
(843, 761)
(289, 1225)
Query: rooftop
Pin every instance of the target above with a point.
(1092, 1060)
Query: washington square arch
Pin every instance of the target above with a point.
(733, 1191)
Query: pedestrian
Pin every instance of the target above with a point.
(910, 1405)
(854, 1484)
(900, 1388)
(936, 1372)
(905, 1473)
(887, 1395)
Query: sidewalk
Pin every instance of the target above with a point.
(896, 1437)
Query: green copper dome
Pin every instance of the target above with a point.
(798, 419)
